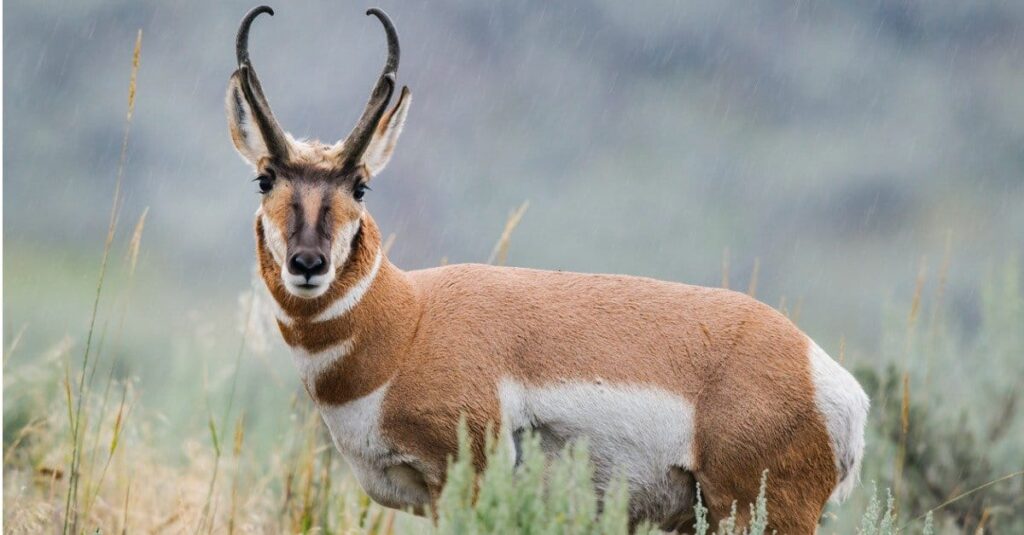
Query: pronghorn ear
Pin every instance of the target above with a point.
(244, 131)
(378, 153)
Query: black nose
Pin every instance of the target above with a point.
(308, 263)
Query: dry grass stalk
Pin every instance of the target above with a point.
(115, 439)
(126, 508)
(131, 259)
(32, 427)
(915, 303)
(904, 429)
(324, 490)
(963, 495)
(985, 514)
(209, 508)
(71, 505)
(915, 311)
(797, 308)
(136, 242)
(500, 252)
(236, 453)
(388, 242)
(14, 344)
(725, 268)
(754, 274)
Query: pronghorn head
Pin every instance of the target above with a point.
(312, 193)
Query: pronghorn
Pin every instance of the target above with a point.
(671, 384)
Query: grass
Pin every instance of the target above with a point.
(82, 455)
(928, 453)
(75, 417)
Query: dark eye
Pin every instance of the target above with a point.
(359, 191)
(266, 183)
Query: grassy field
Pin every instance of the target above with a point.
(84, 453)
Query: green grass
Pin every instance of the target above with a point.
(943, 440)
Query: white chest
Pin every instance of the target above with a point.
(384, 474)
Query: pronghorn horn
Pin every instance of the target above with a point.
(273, 135)
(359, 138)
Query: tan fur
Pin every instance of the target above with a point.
(444, 336)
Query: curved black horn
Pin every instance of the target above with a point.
(360, 136)
(242, 39)
(394, 51)
(273, 135)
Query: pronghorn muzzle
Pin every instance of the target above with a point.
(308, 263)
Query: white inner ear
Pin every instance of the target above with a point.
(378, 153)
(244, 133)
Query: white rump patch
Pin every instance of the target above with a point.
(843, 403)
(351, 298)
(645, 433)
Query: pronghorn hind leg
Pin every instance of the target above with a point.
(800, 477)
(795, 496)
(796, 501)
(719, 503)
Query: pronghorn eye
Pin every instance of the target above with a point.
(359, 191)
(266, 183)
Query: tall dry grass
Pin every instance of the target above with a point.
(77, 399)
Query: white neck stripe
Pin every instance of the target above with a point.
(280, 314)
(311, 365)
(347, 302)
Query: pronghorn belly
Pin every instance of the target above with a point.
(645, 434)
(385, 475)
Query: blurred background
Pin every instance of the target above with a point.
(842, 157)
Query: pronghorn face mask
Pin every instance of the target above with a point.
(312, 193)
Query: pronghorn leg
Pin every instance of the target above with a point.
(679, 517)
(762, 415)
(797, 489)
(800, 475)
(435, 497)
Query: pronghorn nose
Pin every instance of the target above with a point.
(308, 263)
